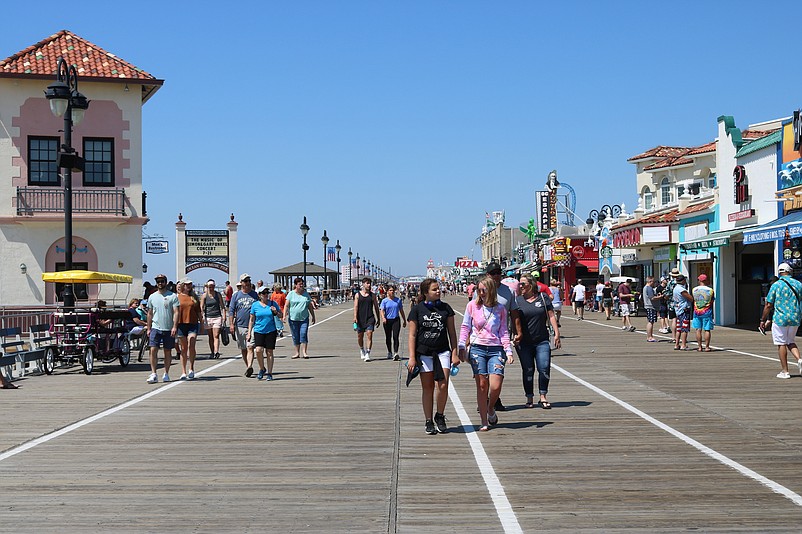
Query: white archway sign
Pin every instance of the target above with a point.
(214, 249)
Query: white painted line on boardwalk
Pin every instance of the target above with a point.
(503, 507)
(745, 471)
(83, 422)
(720, 349)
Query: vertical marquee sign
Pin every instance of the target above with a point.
(207, 248)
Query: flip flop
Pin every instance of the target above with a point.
(9, 386)
(651, 340)
(529, 405)
(484, 428)
(546, 405)
(708, 349)
(676, 348)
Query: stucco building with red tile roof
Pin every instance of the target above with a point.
(109, 205)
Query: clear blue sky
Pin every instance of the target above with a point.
(396, 125)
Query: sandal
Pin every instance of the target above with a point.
(9, 386)
(546, 405)
(676, 347)
(484, 428)
(529, 404)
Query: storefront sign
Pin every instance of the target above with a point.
(157, 247)
(464, 263)
(707, 243)
(667, 253)
(656, 234)
(626, 238)
(772, 234)
(606, 252)
(628, 257)
(561, 245)
(740, 215)
(741, 188)
(543, 199)
(798, 130)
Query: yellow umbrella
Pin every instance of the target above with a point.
(87, 277)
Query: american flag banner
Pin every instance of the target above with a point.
(331, 254)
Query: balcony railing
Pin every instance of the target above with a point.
(32, 200)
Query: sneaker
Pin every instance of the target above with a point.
(261, 375)
(183, 376)
(499, 406)
(269, 377)
(492, 419)
(367, 356)
(396, 357)
(362, 354)
(799, 365)
(389, 355)
(165, 377)
(440, 423)
(430, 429)
(783, 374)
(248, 372)
(623, 327)
(152, 379)
(191, 375)
(281, 334)
(631, 328)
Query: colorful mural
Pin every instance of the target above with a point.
(790, 174)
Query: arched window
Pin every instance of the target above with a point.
(648, 200)
(665, 192)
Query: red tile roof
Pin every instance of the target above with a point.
(91, 61)
(703, 149)
(696, 207)
(655, 218)
(668, 162)
(660, 152)
(757, 134)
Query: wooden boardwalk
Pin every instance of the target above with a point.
(337, 445)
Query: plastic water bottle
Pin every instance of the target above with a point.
(355, 326)
(454, 370)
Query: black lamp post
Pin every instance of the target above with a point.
(304, 231)
(325, 240)
(367, 268)
(338, 248)
(65, 100)
(350, 266)
(357, 266)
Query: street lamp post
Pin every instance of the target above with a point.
(350, 266)
(325, 241)
(338, 248)
(357, 265)
(65, 100)
(304, 231)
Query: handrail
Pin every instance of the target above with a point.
(32, 200)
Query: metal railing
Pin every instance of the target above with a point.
(32, 200)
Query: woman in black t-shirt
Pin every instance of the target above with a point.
(532, 339)
(432, 348)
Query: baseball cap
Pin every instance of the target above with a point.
(536, 274)
(244, 276)
(262, 289)
(784, 268)
(493, 268)
(160, 277)
(702, 277)
(187, 280)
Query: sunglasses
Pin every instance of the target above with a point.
(160, 281)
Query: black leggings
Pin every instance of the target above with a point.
(392, 326)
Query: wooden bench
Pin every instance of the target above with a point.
(22, 352)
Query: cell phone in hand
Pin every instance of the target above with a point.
(761, 330)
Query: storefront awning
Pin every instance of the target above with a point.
(592, 265)
(775, 230)
(711, 240)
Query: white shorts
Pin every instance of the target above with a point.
(427, 362)
(624, 308)
(783, 335)
(213, 322)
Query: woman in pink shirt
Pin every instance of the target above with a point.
(485, 323)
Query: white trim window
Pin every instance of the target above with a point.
(648, 198)
(665, 191)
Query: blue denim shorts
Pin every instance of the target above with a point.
(487, 360)
(161, 337)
